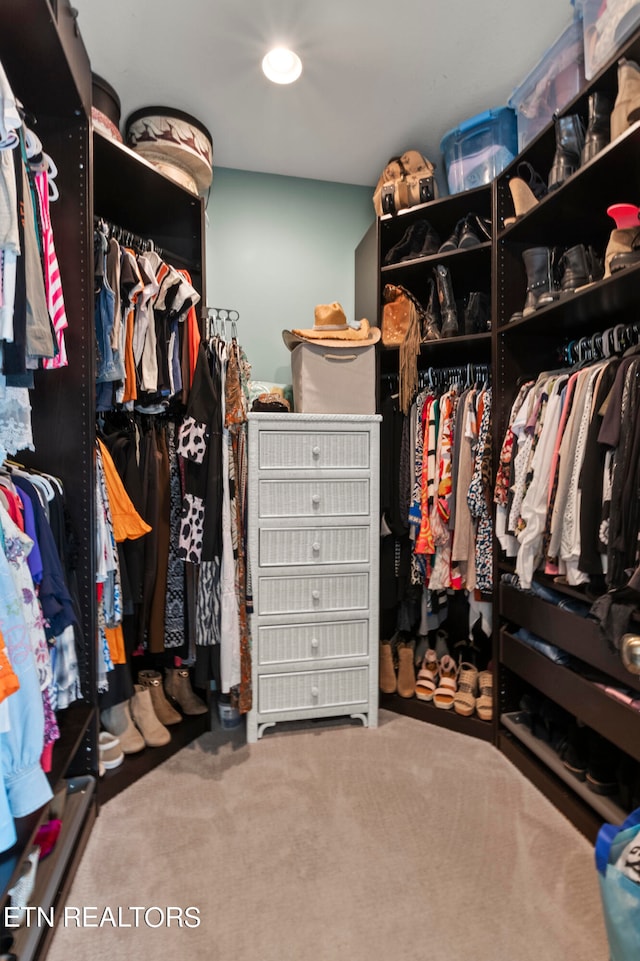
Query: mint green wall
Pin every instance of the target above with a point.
(276, 247)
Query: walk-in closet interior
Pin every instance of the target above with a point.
(187, 546)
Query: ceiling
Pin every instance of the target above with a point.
(378, 77)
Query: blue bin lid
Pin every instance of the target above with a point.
(479, 120)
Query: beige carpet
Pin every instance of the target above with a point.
(398, 844)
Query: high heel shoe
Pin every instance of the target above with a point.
(527, 188)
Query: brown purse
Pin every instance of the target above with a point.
(398, 314)
(402, 317)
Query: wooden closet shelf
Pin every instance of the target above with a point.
(614, 720)
(608, 808)
(586, 311)
(578, 636)
(582, 815)
(424, 711)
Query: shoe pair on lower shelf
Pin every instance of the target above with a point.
(463, 688)
(143, 721)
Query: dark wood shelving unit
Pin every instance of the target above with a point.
(574, 213)
(470, 270)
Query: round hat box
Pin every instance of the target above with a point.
(176, 143)
(105, 110)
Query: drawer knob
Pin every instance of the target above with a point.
(314, 643)
(314, 692)
(315, 547)
(315, 499)
(316, 451)
(315, 595)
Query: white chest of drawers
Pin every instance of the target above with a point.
(313, 550)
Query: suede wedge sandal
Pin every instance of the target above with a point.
(464, 702)
(445, 693)
(427, 679)
(484, 704)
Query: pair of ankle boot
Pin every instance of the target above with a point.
(552, 275)
(470, 231)
(418, 240)
(397, 669)
(135, 723)
(176, 690)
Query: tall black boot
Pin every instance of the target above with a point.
(537, 263)
(448, 309)
(569, 144)
(431, 319)
(598, 132)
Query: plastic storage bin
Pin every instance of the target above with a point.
(555, 80)
(606, 25)
(476, 151)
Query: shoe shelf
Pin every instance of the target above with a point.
(584, 312)
(574, 692)
(424, 711)
(577, 211)
(442, 214)
(53, 879)
(557, 789)
(135, 766)
(576, 635)
(448, 256)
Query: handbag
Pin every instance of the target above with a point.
(397, 314)
(402, 318)
(405, 181)
(620, 894)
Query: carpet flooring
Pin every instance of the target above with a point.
(335, 842)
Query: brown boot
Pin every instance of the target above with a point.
(117, 721)
(144, 717)
(178, 686)
(165, 713)
(626, 109)
(623, 249)
(388, 682)
(406, 669)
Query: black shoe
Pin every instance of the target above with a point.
(451, 243)
(476, 231)
(411, 240)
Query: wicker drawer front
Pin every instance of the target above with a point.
(294, 692)
(298, 595)
(289, 450)
(312, 642)
(307, 545)
(338, 498)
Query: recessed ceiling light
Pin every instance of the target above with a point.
(281, 65)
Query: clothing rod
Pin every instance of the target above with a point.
(129, 237)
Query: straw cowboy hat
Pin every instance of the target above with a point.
(330, 329)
